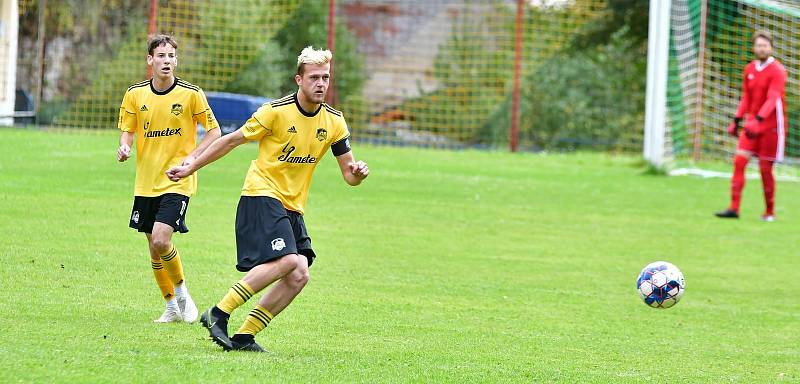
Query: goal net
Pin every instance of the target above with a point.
(710, 42)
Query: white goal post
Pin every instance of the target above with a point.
(9, 26)
(697, 51)
(656, 97)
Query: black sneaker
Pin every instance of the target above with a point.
(244, 342)
(216, 322)
(727, 214)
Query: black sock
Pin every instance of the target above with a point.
(220, 314)
(243, 338)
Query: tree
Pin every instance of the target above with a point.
(308, 25)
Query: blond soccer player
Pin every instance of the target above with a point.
(162, 114)
(272, 243)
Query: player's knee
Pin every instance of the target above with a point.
(161, 246)
(299, 278)
(288, 263)
(742, 157)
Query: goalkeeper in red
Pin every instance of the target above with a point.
(762, 108)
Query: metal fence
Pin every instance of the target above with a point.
(440, 73)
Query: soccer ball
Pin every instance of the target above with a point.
(660, 284)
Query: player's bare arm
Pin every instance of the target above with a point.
(353, 172)
(124, 150)
(217, 149)
(210, 137)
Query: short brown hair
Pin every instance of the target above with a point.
(764, 35)
(158, 40)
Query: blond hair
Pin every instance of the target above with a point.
(309, 55)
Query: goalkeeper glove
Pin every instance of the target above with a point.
(733, 128)
(752, 128)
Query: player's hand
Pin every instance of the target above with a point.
(752, 128)
(733, 128)
(188, 160)
(359, 169)
(179, 172)
(123, 152)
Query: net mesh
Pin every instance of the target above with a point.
(413, 72)
(704, 87)
(441, 72)
(434, 73)
(213, 50)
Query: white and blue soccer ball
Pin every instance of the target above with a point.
(660, 284)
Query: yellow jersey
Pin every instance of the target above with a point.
(165, 124)
(291, 144)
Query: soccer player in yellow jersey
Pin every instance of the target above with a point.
(162, 114)
(272, 244)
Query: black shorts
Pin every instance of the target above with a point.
(169, 208)
(266, 231)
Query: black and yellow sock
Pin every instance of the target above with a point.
(256, 321)
(236, 296)
(173, 265)
(163, 280)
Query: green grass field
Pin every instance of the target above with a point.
(445, 266)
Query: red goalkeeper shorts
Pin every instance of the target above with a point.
(766, 146)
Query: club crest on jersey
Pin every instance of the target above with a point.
(751, 77)
(322, 134)
(278, 244)
(177, 109)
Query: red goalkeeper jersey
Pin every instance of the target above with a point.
(764, 94)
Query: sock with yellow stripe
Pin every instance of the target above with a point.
(163, 280)
(236, 296)
(173, 265)
(255, 322)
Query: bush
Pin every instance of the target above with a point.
(592, 98)
(308, 25)
(265, 76)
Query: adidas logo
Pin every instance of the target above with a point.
(144, 108)
(292, 130)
